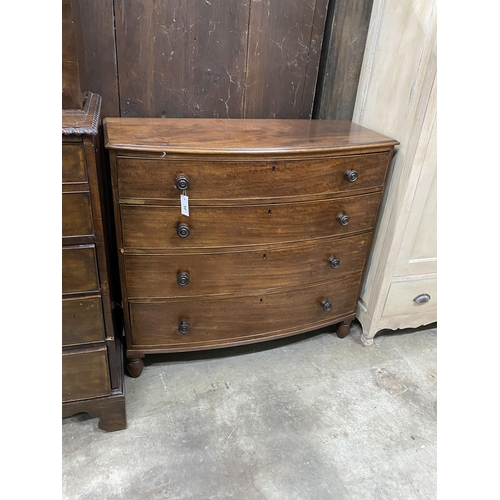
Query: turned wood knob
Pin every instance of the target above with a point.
(182, 182)
(183, 278)
(422, 298)
(334, 262)
(351, 175)
(343, 219)
(326, 305)
(183, 326)
(183, 230)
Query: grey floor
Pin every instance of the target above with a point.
(311, 417)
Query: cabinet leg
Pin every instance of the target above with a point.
(343, 329)
(365, 340)
(113, 417)
(135, 366)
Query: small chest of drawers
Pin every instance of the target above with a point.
(92, 367)
(281, 216)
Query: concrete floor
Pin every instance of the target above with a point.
(310, 417)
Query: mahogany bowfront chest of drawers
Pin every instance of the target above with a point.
(279, 222)
(92, 366)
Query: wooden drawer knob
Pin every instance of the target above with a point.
(422, 298)
(343, 219)
(334, 262)
(182, 182)
(183, 327)
(183, 230)
(326, 305)
(351, 175)
(183, 278)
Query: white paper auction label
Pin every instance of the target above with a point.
(184, 205)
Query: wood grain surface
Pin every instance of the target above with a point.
(155, 226)
(85, 374)
(76, 215)
(73, 164)
(97, 51)
(182, 58)
(72, 95)
(79, 269)
(240, 319)
(284, 48)
(257, 136)
(232, 272)
(233, 181)
(82, 320)
(342, 58)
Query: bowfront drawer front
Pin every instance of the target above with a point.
(85, 374)
(82, 320)
(205, 180)
(79, 269)
(187, 324)
(73, 164)
(410, 297)
(152, 227)
(191, 274)
(76, 215)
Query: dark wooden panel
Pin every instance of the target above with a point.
(284, 48)
(232, 180)
(79, 269)
(82, 320)
(232, 272)
(155, 226)
(248, 318)
(76, 215)
(342, 57)
(181, 58)
(85, 375)
(73, 164)
(72, 96)
(96, 51)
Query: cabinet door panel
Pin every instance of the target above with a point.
(418, 252)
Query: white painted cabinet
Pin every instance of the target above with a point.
(397, 97)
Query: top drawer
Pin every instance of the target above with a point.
(73, 164)
(154, 178)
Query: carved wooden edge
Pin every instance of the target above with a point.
(372, 326)
(83, 121)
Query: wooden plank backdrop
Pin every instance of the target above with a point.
(72, 96)
(223, 58)
(97, 52)
(342, 58)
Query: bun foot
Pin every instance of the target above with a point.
(135, 366)
(343, 329)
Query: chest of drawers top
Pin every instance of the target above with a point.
(241, 137)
